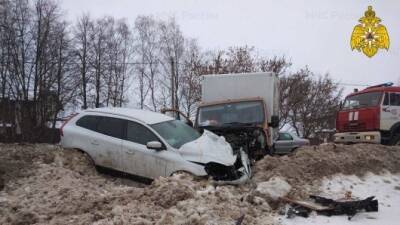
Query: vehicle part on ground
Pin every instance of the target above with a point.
(239, 221)
(330, 207)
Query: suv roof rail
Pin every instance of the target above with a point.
(388, 84)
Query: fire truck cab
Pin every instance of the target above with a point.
(371, 115)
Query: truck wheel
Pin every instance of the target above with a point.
(271, 151)
(395, 140)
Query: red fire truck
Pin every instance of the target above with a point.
(371, 115)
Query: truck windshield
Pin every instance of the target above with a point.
(176, 132)
(362, 100)
(231, 113)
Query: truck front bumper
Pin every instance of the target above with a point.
(358, 137)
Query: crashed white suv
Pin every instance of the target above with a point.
(149, 144)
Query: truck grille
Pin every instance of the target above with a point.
(354, 126)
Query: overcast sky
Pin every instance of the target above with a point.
(309, 32)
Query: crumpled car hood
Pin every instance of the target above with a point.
(208, 148)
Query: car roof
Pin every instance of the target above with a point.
(145, 116)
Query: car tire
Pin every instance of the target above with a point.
(88, 157)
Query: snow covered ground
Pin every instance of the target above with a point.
(386, 188)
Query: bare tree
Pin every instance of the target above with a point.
(82, 44)
(147, 43)
(309, 102)
(47, 15)
(118, 42)
(191, 78)
(66, 80)
(278, 65)
(98, 52)
(126, 51)
(172, 46)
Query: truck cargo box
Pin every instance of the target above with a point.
(238, 86)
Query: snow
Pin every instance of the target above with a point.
(274, 188)
(386, 188)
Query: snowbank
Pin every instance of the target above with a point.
(56, 186)
(46, 184)
(306, 167)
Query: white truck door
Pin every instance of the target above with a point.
(390, 110)
(108, 142)
(137, 158)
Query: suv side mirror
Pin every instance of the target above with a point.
(274, 121)
(155, 145)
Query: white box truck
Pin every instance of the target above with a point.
(244, 108)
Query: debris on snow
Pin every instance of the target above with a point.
(361, 188)
(330, 207)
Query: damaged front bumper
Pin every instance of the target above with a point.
(236, 174)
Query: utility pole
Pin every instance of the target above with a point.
(172, 83)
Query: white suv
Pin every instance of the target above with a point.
(150, 145)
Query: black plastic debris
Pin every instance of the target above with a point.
(239, 221)
(330, 207)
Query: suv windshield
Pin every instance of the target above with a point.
(362, 100)
(176, 132)
(233, 113)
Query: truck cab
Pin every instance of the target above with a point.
(370, 116)
(243, 108)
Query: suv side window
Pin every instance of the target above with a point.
(113, 127)
(88, 122)
(140, 134)
(395, 99)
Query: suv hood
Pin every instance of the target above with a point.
(208, 148)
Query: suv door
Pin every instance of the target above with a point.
(109, 142)
(137, 158)
(86, 136)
